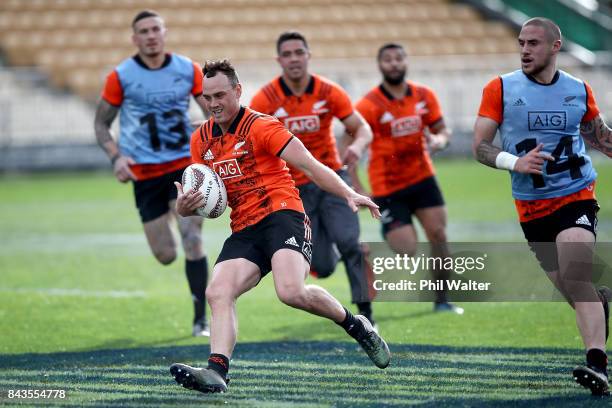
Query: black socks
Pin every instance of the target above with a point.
(197, 276)
(352, 326)
(597, 358)
(220, 364)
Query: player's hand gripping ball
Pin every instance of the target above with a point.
(203, 178)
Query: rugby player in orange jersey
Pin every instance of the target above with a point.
(307, 104)
(544, 117)
(270, 230)
(405, 118)
(151, 91)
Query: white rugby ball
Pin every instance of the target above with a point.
(203, 178)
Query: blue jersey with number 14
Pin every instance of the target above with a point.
(551, 114)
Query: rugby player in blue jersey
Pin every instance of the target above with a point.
(151, 91)
(545, 116)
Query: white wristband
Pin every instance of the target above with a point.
(505, 160)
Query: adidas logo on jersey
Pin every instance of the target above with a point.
(519, 102)
(292, 241)
(280, 113)
(583, 221)
(386, 117)
(209, 155)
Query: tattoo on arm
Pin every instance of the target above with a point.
(486, 153)
(105, 114)
(597, 134)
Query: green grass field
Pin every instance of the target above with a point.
(85, 308)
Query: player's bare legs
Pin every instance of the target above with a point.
(196, 267)
(554, 277)
(402, 240)
(234, 277)
(162, 242)
(230, 279)
(433, 221)
(575, 256)
(289, 269)
(575, 251)
(190, 229)
(163, 246)
(160, 239)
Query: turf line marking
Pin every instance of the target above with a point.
(77, 292)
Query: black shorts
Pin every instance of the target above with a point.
(581, 214)
(154, 195)
(397, 208)
(257, 243)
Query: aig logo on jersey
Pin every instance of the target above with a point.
(227, 169)
(408, 125)
(547, 120)
(161, 97)
(303, 124)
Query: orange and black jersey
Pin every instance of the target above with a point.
(308, 116)
(399, 156)
(246, 157)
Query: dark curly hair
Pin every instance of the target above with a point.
(212, 67)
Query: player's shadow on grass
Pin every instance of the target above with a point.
(310, 373)
(312, 330)
(133, 343)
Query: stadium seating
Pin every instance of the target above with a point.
(76, 42)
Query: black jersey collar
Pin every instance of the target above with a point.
(216, 129)
(554, 80)
(287, 91)
(388, 94)
(140, 62)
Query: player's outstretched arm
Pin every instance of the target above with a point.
(188, 201)
(482, 146)
(597, 134)
(105, 115)
(298, 156)
(343, 144)
(439, 138)
(361, 133)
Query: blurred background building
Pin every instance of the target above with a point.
(56, 54)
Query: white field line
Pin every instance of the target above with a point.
(135, 243)
(77, 292)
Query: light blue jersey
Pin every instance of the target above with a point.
(154, 123)
(551, 114)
